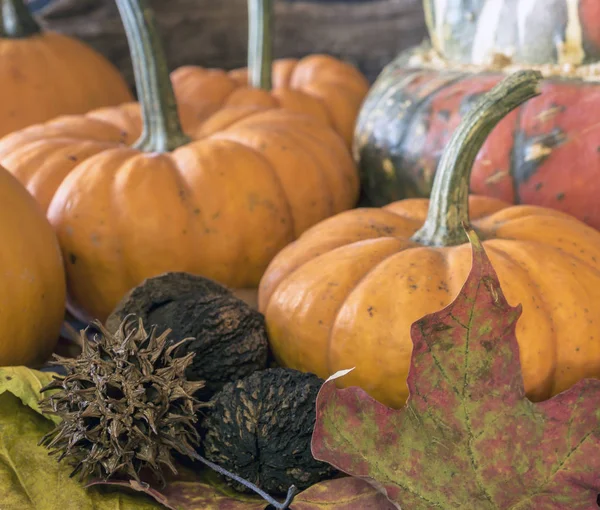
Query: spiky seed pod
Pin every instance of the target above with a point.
(125, 403)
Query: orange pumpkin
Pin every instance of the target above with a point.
(319, 85)
(219, 198)
(346, 293)
(45, 74)
(32, 301)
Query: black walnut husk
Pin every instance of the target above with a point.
(229, 337)
(126, 405)
(260, 428)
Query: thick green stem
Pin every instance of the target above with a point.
(449, 204)
(260, 43)
(162, 130)
(16, 21)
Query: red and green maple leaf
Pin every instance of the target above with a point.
(468, 437)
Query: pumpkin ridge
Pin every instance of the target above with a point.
(49, 150)
(231, 138)
(115, 219)
(491, 247)
(579, 261)
(328, 190)
(561, 364)
(326, 109)
(353, 289)
(558, 222)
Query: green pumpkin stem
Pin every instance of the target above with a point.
(162, 130)
(449, 204)
(16, 21)
(260, 43)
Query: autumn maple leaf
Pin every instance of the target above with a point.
(468, 437)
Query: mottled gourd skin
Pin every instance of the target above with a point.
(544, 153)
(528, 32)
(32, 279)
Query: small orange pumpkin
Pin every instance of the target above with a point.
(32, 301)
(219, 198)
(45, 74)
(347, 291)
(319, 85)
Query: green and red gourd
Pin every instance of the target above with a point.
(544, 153)
(45, 74)
(346, 293)
(139, 190)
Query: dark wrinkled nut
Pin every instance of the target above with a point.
(126, 405)
(229, 337)
(260, 428)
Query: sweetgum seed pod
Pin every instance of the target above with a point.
(126, 405)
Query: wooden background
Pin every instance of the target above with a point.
(213, 33)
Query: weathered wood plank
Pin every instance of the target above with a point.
(213, 33)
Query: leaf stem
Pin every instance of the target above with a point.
(162, 130)
(449, 203)
(260, 43)
(291, 493)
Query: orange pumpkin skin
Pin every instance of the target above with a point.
(50, 74)
(32, 301)
(317, 85)
(347, 291)
(212, 191)
(221, 206)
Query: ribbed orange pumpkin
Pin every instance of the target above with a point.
(32, 279)
(221, 206)
(347, 291)
(45, 74)
(318, 85)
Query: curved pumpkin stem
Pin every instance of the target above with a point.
(162, 130)
(449, 203)
(260, 43)
(16, 21)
